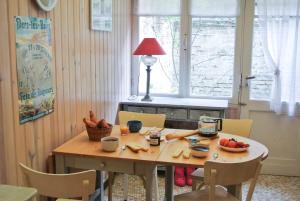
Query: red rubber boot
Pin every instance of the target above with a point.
(180, 179)
(189, 171)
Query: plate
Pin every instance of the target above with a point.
(162, 138)
(234, 149)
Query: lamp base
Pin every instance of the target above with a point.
(147, 98)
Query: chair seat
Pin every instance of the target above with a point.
(198, 174)
(62, 199)
(220, 195)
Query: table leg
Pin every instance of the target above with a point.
(110, 183)
(60, 164)
(235, 190)
(169, 182)
(125, 187)
(100, 185)
(155, 185)
(149, 181)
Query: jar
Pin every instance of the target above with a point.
(154, 138)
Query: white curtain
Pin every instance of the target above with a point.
(280, 24)
(214, 8)
(157, 7)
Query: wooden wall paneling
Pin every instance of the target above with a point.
(72, 66)
(20, 148)
(54, 115)
(82, 60)
(46, 132)
(37, 124)
(105, 64)
(78, 66)
(118, 31)
(121, 37)
(97, 73)
(93, 70)
(2, 154)
(83, 55)
(112, 62)
(46, 142)
(29, 130)
(87, 52)
(2, 150)
(66, 68)
(128, 47)
(92, 76)
(89, 72)
(117, 54)
(7, 103)
(59, 73)
(109, 72)
(101, 76)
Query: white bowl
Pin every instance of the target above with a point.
(199, 151)
(109, 143)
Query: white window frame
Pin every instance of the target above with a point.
(244, 99)
(185, 55)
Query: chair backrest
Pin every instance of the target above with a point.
(225, 174)
(241, 127)
(73, 185)
(148, 120)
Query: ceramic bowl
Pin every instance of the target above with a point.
(109, 143)
(199, 151)
(134, 126)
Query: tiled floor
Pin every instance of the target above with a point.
(268, 188)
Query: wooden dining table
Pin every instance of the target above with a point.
(80, 152)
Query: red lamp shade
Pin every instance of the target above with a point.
(149, 46)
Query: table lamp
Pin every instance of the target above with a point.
(147, 48)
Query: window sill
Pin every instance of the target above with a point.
(172, 101)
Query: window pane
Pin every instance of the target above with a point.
(165, 73)
(260, 87)
(212, 56)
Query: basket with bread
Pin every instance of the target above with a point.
(95, 128)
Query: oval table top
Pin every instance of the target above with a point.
(81, 146)
(255, 150)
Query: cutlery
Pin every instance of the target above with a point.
(215, 156)
(123, 148)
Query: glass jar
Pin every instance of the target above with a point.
(154, 138)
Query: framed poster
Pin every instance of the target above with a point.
(34, 63)
(101, 15)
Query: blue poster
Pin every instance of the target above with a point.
(34, 64)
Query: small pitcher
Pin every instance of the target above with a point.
(209, 125)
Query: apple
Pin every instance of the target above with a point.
(222, 141)
(232, 144)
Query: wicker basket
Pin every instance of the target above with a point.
(95, 134)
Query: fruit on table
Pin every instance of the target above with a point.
(232, 143)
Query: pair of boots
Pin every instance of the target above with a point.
(183, 176)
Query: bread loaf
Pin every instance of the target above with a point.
(181, 135)
(177, 153)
